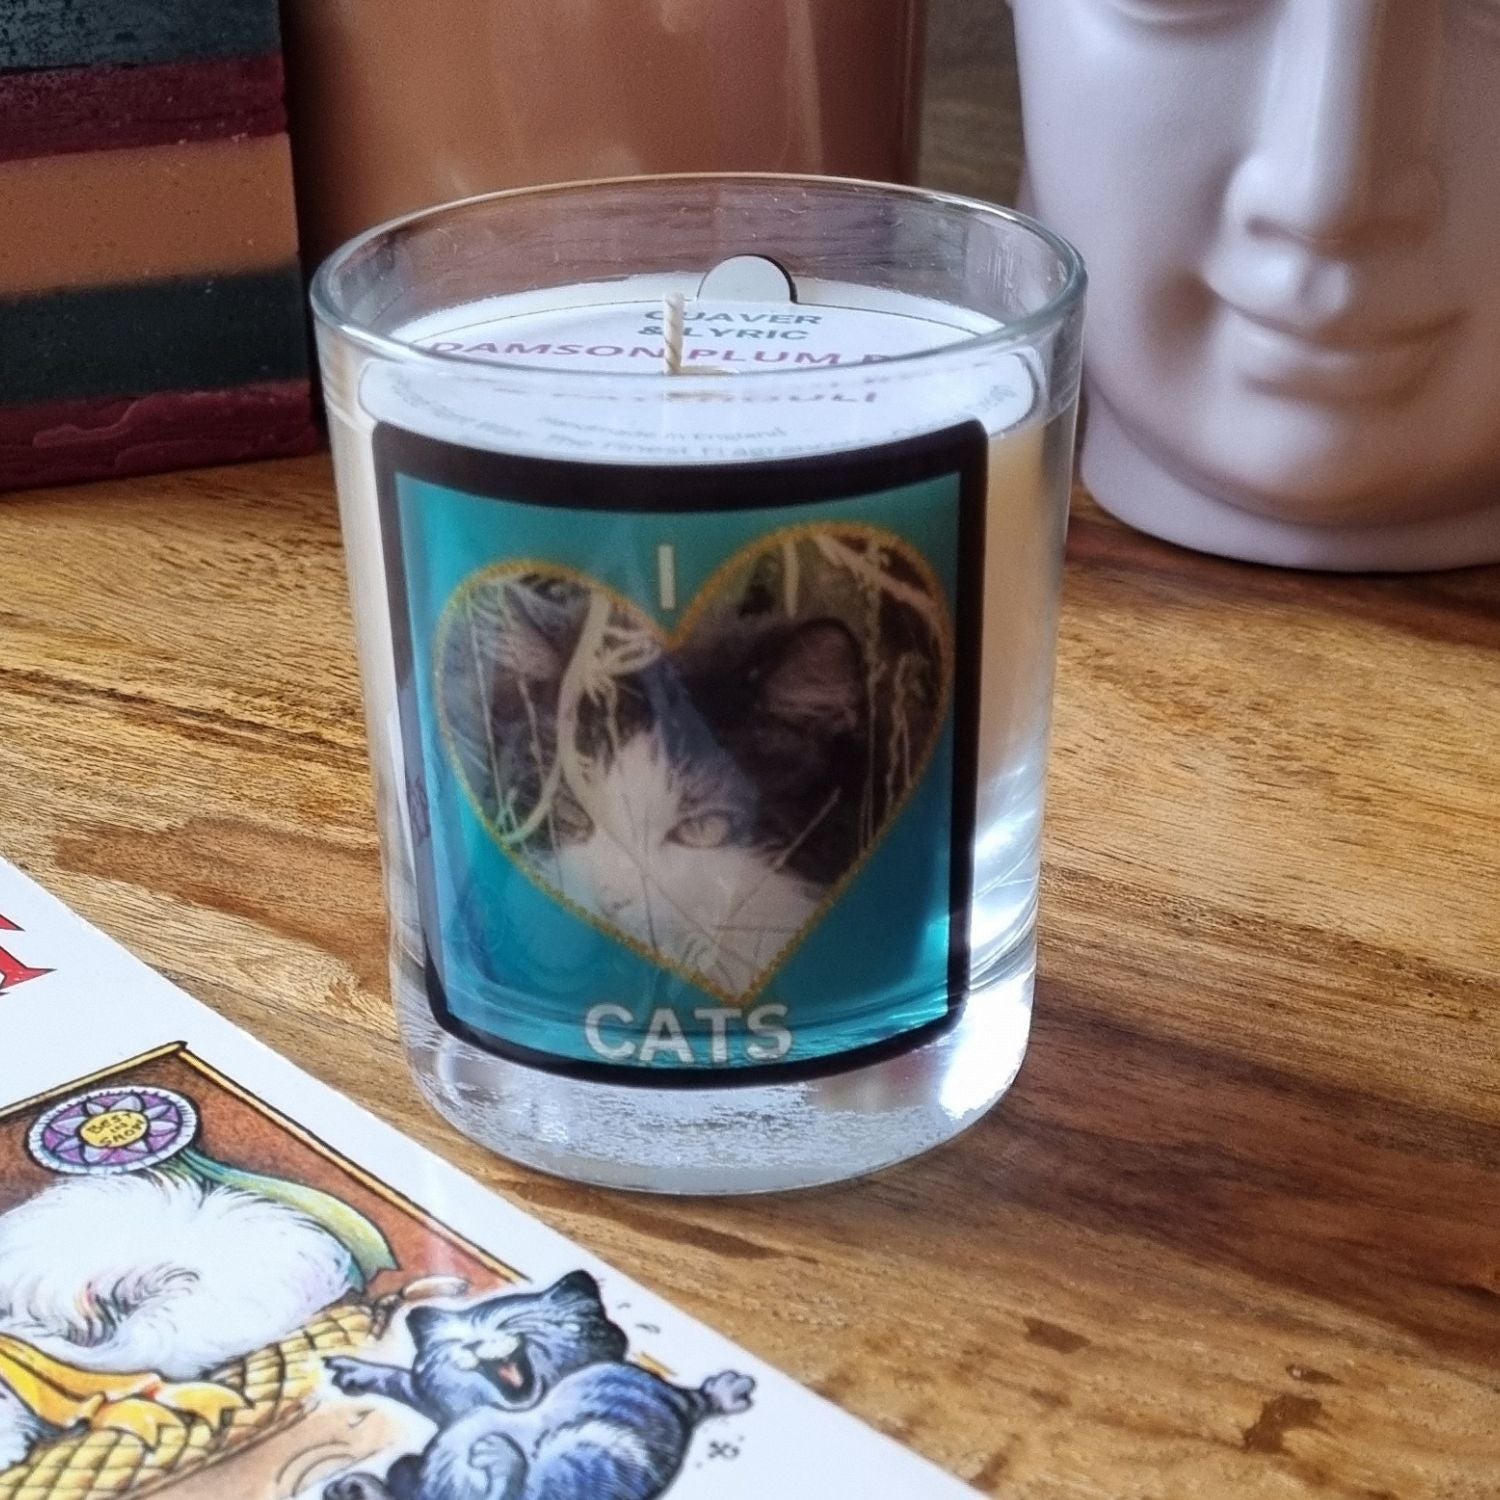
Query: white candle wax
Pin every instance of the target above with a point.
(616, 328)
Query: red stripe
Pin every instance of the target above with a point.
(101, 109)
(66, 442)
(13, 972)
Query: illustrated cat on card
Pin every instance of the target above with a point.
(533, 1400)
(120, 1294)
(164, 1313)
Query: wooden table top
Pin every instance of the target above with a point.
(1236, 1231)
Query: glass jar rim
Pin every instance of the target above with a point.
(1007, 335)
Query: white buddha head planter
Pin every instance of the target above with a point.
(1291, 214)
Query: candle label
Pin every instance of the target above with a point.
(690, 749)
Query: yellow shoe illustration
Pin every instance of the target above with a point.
(144, 1403)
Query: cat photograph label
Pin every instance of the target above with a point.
(690, 750)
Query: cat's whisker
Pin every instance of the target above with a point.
(759, 927)
(650, 915)
(779, 864)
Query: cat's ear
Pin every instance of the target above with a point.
(428, 1324)
(536, 632)
(817, 681)
(576, 1301)
(576, 1286)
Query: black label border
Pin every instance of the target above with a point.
(647, 489)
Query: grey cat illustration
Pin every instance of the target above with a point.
(533, 1400)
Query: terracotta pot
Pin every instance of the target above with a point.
(398, 105)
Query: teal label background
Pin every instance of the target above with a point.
(515, 968)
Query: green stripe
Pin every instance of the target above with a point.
(158, 336)
(69, 33)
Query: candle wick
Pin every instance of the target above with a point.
(672, 309)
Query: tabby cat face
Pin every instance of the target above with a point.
(707, 825)
(512, 1350)
(699, 801)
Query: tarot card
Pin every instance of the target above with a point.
(220, 1278)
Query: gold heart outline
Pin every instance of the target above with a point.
(670, 640)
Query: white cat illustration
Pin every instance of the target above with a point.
(155, 1272)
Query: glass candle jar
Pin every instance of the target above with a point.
(705, 539)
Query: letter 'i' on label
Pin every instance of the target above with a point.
(666, 575)
(691, 749)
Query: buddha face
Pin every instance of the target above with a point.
(1291, 215)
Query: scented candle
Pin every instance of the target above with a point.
(705, 539)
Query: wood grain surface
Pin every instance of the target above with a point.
(1236, 1231)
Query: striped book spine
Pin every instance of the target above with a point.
(151, 312)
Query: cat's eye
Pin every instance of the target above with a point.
(707, 830)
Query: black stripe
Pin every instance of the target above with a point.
(209, 334)
(70, 33)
